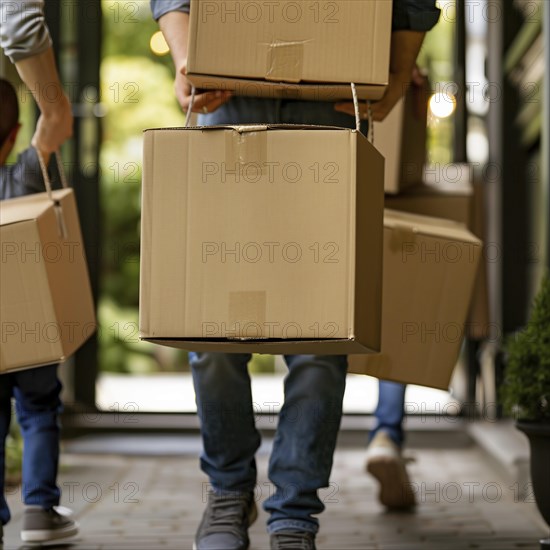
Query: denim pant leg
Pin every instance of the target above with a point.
(301, 460)
(317, 112)
(251, 110)
(38, 405)
(243, 110)
(390, 410)
(5, 418)
(224, 405)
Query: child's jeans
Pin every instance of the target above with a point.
(390, 411)
(37, 405)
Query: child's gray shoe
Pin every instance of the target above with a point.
(40, 525)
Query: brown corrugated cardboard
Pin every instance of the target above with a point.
(451, 192)
(46, 306)
(479, 319)
(261, 239)
(266, 48)
(429, 271)
(401, 138)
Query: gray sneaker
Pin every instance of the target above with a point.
(292, 540)
(225, 522)
(40, 525)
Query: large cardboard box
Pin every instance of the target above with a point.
(46, 306)
(307, 49)
(452, 192)
(401, 138)
(479, 318)
(429, 271)
(261, 239)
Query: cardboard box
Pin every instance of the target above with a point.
(401, 138)
(429, 271)
(267, 48)
(451, 192)
(46, 306)
(261, 239)
(479, 318)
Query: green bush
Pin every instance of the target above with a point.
(525, 392)
(14, 454)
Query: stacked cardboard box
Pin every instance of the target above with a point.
(451, 192)
(431, 259)
(429, 270)
(46, 306)
(262, 238)
(306, 50)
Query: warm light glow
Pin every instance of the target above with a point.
(442, 105)
(158, 44)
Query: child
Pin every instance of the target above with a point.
(36, 391)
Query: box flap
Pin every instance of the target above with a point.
(331, 346)
(425, 225)
(28, 207)
(284, 90)
(242, 128)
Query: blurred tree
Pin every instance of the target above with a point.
(136, 93)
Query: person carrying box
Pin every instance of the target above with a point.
(301, 459)
(36, 391)
(25, 39)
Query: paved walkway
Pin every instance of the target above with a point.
(150, 502)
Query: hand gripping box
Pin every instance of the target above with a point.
(429, 272)
(261, 239)
(46, 305)
(310, 49)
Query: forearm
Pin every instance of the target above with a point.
(40, 75)
(405, 47)
(175, 27)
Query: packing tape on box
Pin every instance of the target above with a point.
(401, 234)
(285, 61)
(247, 148)
(247, 307)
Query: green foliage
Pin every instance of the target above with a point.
(14, 454)
(262, 364)
(525, 392)
(120, 349)
(127, 28)
(137, 92)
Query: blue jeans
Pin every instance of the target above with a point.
(309, 420)
(252, 110)
(301, 459)
(37, 405)
(390, 411)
